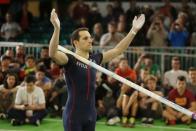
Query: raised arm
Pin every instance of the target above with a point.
(124, 43)
(58, 56)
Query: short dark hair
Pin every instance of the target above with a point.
(30, 78)
(192, 69)
(45, 48)
(175, 58)
(4, 57)
(181, 78)
(75, 35)
(30, 57)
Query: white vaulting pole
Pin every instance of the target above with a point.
(129, 83)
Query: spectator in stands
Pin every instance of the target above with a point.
(178, 35)
(44, 57)
(30, 105)
(30, 65)
(10, 53)
(45, 7)
(80, 11)
(5, 61)
(183, 97)
(170, 77)
(144, 72)
(20, 54)
(193, 40)
(24, 17)
(169, 12)
(7, 94)
(10, 29)
(149, 108)
(145, 61)
(133, 10)
(106, 100)
(121, 28)
(192, 80)
(109, 14)
(124, 70)
(157, 34)
(117, 9)
(43, 81)
(58, 96)
(97, 33)
(128, 103)
(54, 71)
(94, 15)
(112, 37)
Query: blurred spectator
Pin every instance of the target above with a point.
(109, 14)
(15, 67)
(178, 35)
(44, 57)
(30, 65)
(121, 28)
(112, 37)
(124, 70)
(128, 103)
(170, 77)
(5, 61)
(30, 105)
(81, 10)
(157, 33)
(10, 53)
(43, 81)
(145, 61)
(193, 39)
(20, 54)
(117, 9)
(149, 108)
(144, 72)
(58, 96)
(54, 70)
(10, 29)
(192, 80)
(7, 94)
(24, 17)
(94, 16)
(169, 12)
(183, 97)
(133, 10)
(97, 33)
(45, 7)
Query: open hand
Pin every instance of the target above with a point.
(54, 19)
(138, 22)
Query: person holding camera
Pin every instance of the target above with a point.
(157, 34)
(29, 106)
(178, 35)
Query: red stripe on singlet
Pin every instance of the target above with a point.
(88, 82)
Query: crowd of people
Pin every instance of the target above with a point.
(30, 88)
(167, 25)
(33, 87)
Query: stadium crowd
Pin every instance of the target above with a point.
(31, 88)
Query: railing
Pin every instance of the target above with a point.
(161, 56)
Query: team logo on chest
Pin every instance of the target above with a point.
(80, 64)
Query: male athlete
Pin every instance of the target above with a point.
(80, 112)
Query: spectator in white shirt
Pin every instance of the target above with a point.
(30, 106)
(170, 77)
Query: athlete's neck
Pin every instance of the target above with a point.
(81, 53)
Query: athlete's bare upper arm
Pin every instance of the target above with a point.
(109, 55)
(60, 58)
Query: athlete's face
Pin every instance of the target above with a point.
(85, 41)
